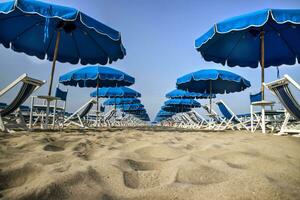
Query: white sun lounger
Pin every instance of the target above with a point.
(8, 122)
(77, 117)
(231, 120)
(281, 89)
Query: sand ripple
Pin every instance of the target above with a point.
(151, 163)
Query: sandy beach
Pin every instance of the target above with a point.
(148, 163)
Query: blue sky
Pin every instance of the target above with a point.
(159, 38)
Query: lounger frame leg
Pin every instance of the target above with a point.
(21, 118)
(252, 118)
(31, 112)
(2, 127)
(263, 125)
(284, 124)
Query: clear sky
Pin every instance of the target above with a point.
(159, 38)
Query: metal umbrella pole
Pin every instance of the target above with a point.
(97, 114)
(210, 93)
(262, 63)
(51, 78)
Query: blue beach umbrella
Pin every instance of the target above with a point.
(57, 33)
(131, 107)
(144, 117)
(96, 76)
(212, 81)
(177, 93)
(139, 111)
(163, 115)
(176, 109)
(269, 37)
(159, 119)
(191, 103)
(115, 92)
(121, 101)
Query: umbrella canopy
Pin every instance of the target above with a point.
(121, 101)
(93, 76)
(137, 106)
(31, 27)
(144, 117)
(183, 102)
(269, 37)
(176, 109)
(114, 92)
(212, 81)
(57, 33)
(163, 113)
(177, 93)
(139, 111)
(159, 119)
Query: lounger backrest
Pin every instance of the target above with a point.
(43, 109)
(25, 91)
(255, 97)
(225, 111)
(25, 108)
(61, 94)
(28, 87)
(288, 100)
(2, 105)
(211, 111)
(102, 108)
(110, 115)
(86, 110)
(214, 115)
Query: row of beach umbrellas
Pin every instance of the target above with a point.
(267, 38)
(202, 84)
(64, 34)
(109, 83)
(59, 33)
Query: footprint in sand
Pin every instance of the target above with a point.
(212, 147)
(236, 166)
(62, 168)
(52, 147)
(48, 139)
(189, 147)
(121, 140)
(68, 186)
(142, 174)
(17, 177)
(159, 152)
(50, 159)
(196, 174)
(143, 166)
(239, 160)
(83, 150)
